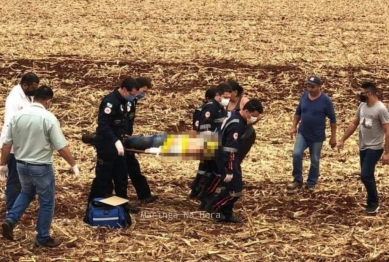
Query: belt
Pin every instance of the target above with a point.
(29, 164)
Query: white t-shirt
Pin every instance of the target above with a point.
(16, 100)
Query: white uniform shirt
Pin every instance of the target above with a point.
(16, 100)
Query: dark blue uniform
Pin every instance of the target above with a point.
(139, 181)
(211, 119)
(112, 125)
(228, 162)
(249, 137)
(195, 186)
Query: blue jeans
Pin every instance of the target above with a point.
(35, 180)
(298, 152)
(13, 186)
(368, 160)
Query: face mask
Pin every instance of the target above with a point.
(225, 101)
(140, 95)
(131, 98)
(252, 119)
(29, 92)
(362, 98)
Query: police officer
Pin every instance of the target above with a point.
(138, 180)
(112, 126)
(221, 206)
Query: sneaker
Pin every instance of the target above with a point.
(7, 230)
(51, 242)
(294, 185)
(372, 209)
(148, 200)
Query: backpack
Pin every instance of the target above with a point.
(100, 214)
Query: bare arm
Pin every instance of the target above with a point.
(333, 129)
(65, 154)
(5, 151)
(296, 120)
(386, 129)
(350, 129)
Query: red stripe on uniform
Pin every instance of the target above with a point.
(214, 184)
(222, 202)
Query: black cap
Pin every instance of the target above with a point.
(314, 81)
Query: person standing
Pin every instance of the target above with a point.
(208, 119)
(313, 109)
(373, 119)
(236, 102)
(20, 97)
(34, 132)
(221, 206)
(138, 180)
(112, 128)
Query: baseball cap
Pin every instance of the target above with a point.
(314, 81)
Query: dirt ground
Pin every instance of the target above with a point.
(84, 49)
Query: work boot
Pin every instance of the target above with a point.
(230, 219)
(88, 139)
(193, 194)
(202, 207)
(294, 186)
(51, 242)
(133, 209)
(148, 200)
(8, 229)
(310, 188)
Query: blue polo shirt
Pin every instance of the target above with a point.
(313, 115)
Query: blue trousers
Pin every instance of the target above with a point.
(35, 180)
(298, 152)
(13, 186)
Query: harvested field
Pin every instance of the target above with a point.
(84, 48)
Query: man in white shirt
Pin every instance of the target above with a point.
(20, 97)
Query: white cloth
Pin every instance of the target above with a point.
(16, 100)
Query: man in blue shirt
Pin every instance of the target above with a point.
(313, 109)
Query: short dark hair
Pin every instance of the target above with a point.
(144, 81)
(253, 105)
(370, 86)
(43, 93)
(29, 79)
(129, 83)
(210, 93)
(224, 87)
(235, 87)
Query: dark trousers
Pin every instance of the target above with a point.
(224, 202)
(247, 143)
(138, 180)
(13, 186)
(210, 183)
(368, 161)
(199, 179)
(111, 168)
